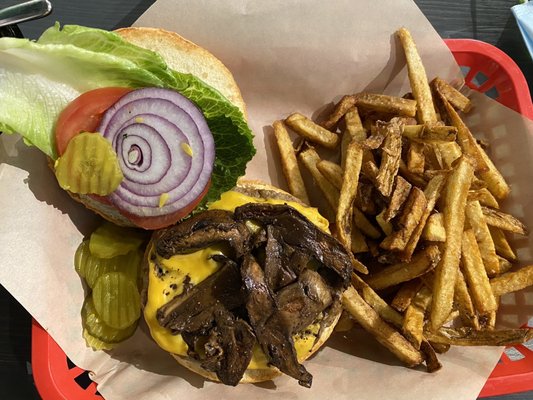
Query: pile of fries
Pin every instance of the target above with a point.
(415, 199)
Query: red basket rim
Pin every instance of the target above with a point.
(518, 81)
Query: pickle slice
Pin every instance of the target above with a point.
(89, 165)
(99, 329)
(128, 264)
(110, 240)
(81, 258)
(95, 343)
(117, 300)
(91, 267)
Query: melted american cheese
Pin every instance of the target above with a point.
(166, 280)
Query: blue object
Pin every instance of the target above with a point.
(524, 17)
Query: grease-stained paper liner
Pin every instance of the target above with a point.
(286, 56)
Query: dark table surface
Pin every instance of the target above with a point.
(488, 20)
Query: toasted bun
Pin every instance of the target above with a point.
(183, 56)
(260, 190)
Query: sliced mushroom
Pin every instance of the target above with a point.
(201, 231)
(298, 232)
(270, 329)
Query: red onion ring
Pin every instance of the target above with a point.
(164, 147)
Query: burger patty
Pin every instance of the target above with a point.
(277, 280)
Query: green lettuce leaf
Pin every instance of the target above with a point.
(38, 79)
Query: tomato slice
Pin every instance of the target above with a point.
(163, 221)
(85, 113)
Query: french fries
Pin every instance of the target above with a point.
(451, 94)
(415, 199)
(455, 194)
(289, 164)
(350, 180)
(417, 76)
(512, 281)
(311, 131)
(423, 262)
(383, 332)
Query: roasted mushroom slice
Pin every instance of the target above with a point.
(298, 232)
(272, 333)
(201, 231)
(192, 311)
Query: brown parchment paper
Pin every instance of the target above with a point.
(286, 56)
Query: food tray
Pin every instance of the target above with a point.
(486, 69)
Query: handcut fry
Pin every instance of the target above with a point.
(415, 158)
(310, 159)
(433, 159)
(358, 244)
(311, 131)
(484, 196)
(432, 362)
(434, 134)
(469, 337)
(289, 164)
(386, 104)
(440, 348)
(391, 155)
(350, 180)
(410, 218)
(466, 140)
(331, 171)
(504, 221)
(495, 181)
(385, 311)
(405, 295)
(414, 179)
(464, 303)
(386, 226)
(366, 197)
(354, 126)
(398, 197)
(353, 131)
(476, 275)
(503, 248)
(418, 79)
(422, 262)
(338, 112)
(505, 265)
(449, 152)
(474, 216)
(383, 332)
(434, 229)
(454, 199)
(455, 97)
(432, 193)
(362, 222)
(376, 138)
(413, 322)
(512, 281)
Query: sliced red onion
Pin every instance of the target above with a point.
(164, 147)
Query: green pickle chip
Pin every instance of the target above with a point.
(89, 165)
(91, 268)
(81, 258)
(99, 329)
(110, 240)
(117, 300)
(95, 343)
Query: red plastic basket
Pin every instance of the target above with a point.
(488, 70)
